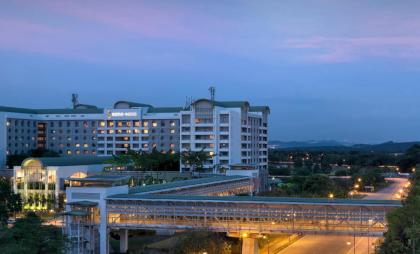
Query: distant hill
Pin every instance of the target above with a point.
(332, 145)
(310, 143)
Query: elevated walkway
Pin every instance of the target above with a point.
(250, 215)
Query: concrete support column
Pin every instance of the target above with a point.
(250, 246)
(123, 240)
(103, 230)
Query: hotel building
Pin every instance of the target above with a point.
(233, 133)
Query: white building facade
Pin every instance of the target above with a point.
(231, 132)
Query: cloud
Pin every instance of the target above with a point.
(335, 50)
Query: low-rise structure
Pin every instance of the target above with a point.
(40, 181)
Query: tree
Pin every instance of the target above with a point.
(10, 203)
(195, 159)
(403, 233)
(28, 235)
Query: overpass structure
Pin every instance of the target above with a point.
(209, 204)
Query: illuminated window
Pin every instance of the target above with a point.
(119, 131)
(77, 145)
(137, 123)
(145, 123)
(110, 123)
(172, 131)
(85, 145)
(172, 146)
(7, 123)
(110, 131)
(77, 151)
(145, 131)
(172, 123)
(68, 151)
(154, 124)
(136, 131)
(119, 123)
(154, 145)
(102, 123)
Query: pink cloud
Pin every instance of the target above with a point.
(324, 49)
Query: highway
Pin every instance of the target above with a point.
(313, 244)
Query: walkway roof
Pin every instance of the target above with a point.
(185, 184)
(258, 199)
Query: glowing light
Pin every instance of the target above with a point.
(356, 186)
(244, 235)
(359, 179)
(348, 243)
(331, 195)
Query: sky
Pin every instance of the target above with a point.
(347, 70)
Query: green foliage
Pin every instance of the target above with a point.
(311, 158)
(9, 202)
(195, 159)
(200, 242)
(316, 185)
(139, 160)
(404, 224)
(17, 159)
(28, 235)
(279, 171)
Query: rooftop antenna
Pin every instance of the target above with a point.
(75, 99)
(212, 90)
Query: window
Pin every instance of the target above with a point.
(154, 124)
(102, 123)
(186, 119)
(172, 131)
(224, 118)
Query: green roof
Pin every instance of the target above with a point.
(52, 111)
(259, 199)
(259, 108)
(184, 184)
(134, 104)
(237, 104)
(72, 160)
(165, 110)
(100, 178)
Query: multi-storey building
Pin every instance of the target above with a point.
(233, 133)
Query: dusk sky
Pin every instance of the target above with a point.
(328, 69)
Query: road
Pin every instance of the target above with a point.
(388, 192)
(313, 244)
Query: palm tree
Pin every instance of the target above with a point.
(195, 159)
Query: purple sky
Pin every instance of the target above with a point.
(329, 69)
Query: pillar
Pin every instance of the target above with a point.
(249, 246)
(123, 240)
(103, 229)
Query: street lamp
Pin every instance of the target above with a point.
(331, 195)
(359, 179)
